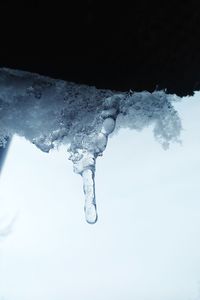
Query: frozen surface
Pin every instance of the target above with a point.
(145, 245)
(51, 112)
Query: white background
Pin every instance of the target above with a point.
(146, 244)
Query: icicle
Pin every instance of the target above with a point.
(90, 199)
(84, 164)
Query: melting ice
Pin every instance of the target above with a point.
(51, 112)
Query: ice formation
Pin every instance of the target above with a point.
(50, 112)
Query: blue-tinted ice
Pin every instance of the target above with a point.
(51, 112)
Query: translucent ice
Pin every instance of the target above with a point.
(90, 200)
(108, 126)
(51, 112)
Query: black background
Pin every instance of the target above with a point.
(142, 45)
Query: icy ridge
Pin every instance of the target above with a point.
(49, 112)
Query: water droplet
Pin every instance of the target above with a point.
(101, 142)
(108, 126)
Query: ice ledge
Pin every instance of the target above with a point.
(51, 112)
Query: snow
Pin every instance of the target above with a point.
(50, 112)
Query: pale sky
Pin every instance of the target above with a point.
(146, 243)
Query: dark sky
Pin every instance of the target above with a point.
(142, 46)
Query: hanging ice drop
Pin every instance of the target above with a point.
(84, 164)
(90, 200)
